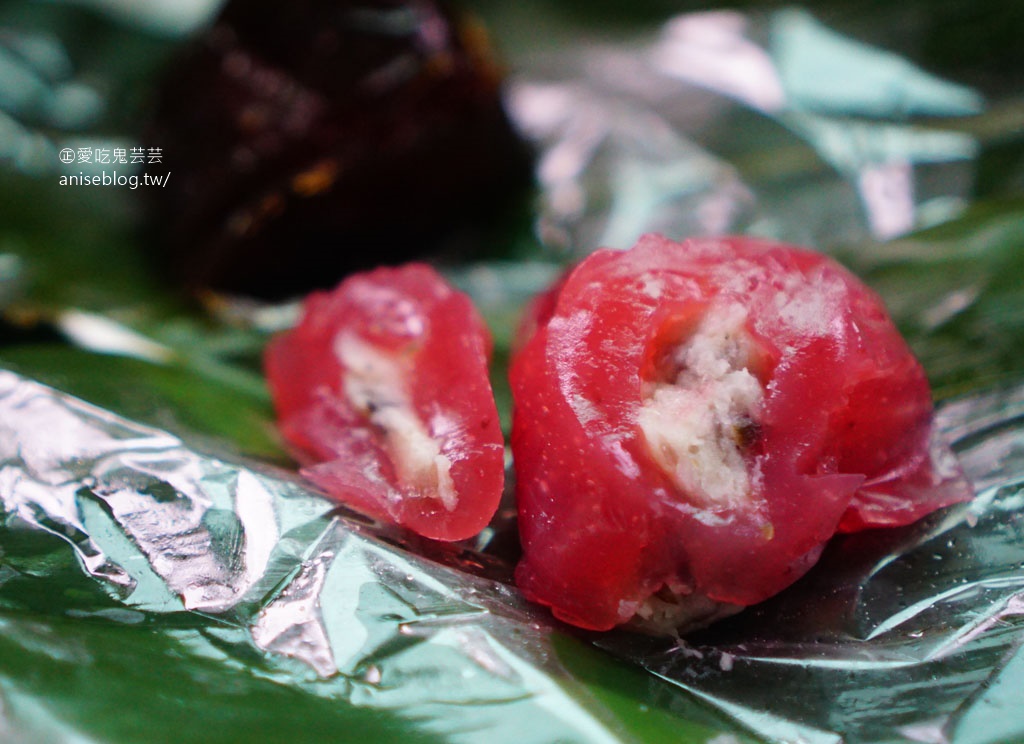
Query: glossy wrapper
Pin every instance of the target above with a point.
(342, 614)
(261, 564)
(723, 122)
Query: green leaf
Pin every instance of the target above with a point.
(956, 292)
(168, 396)
(88, 675)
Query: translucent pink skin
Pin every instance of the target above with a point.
(845, 438)
(439, 342)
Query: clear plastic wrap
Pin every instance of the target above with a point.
(910, 632)
(725, 122)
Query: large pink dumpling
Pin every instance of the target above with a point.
(693, 421)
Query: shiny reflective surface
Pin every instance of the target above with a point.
(620, 128)
(893, 634)
(166, 529)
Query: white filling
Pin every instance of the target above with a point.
(669, 613)
(376, 384)
(694, 424)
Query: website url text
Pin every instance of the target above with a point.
(113, 179)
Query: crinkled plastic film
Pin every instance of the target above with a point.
(725, 122)
(341, 612)
(911, 633)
